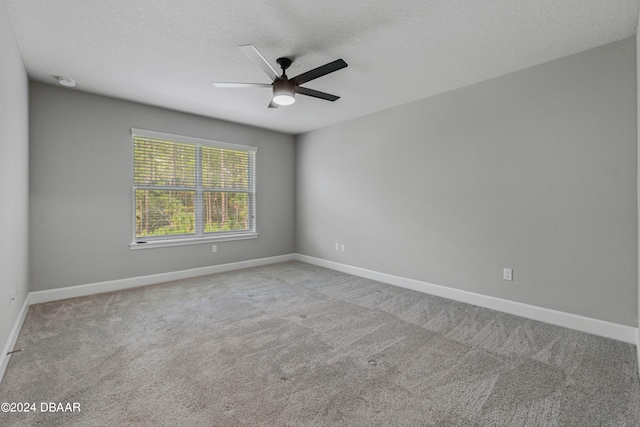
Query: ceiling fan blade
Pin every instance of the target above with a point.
(273, 105)
(253, 54)
(319, 72)
(316, 93)
(222, 84)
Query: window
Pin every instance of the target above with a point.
(188, 190)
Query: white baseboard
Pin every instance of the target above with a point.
(602, 328)
(38, 297)
(13, 337)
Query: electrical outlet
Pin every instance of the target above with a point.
(214, 248)
(507, 274)
(342, 247)
(337, 246)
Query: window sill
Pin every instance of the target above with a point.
(152, 244)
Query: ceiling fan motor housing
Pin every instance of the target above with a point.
(284, 91)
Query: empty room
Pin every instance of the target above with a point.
(319, 213)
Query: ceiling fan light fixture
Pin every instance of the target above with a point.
(284, 92)
(284, 99)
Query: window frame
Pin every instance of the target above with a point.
(199, 236)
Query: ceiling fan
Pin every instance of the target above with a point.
(284, 88)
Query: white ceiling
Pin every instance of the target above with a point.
(167, 52)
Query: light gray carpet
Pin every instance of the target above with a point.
(298, 345)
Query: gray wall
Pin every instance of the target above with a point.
(638, 183)
(81, 189)
(535, 170)
(14, 176)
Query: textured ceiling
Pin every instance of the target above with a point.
(167, 52)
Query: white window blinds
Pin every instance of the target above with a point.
(190, 188)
